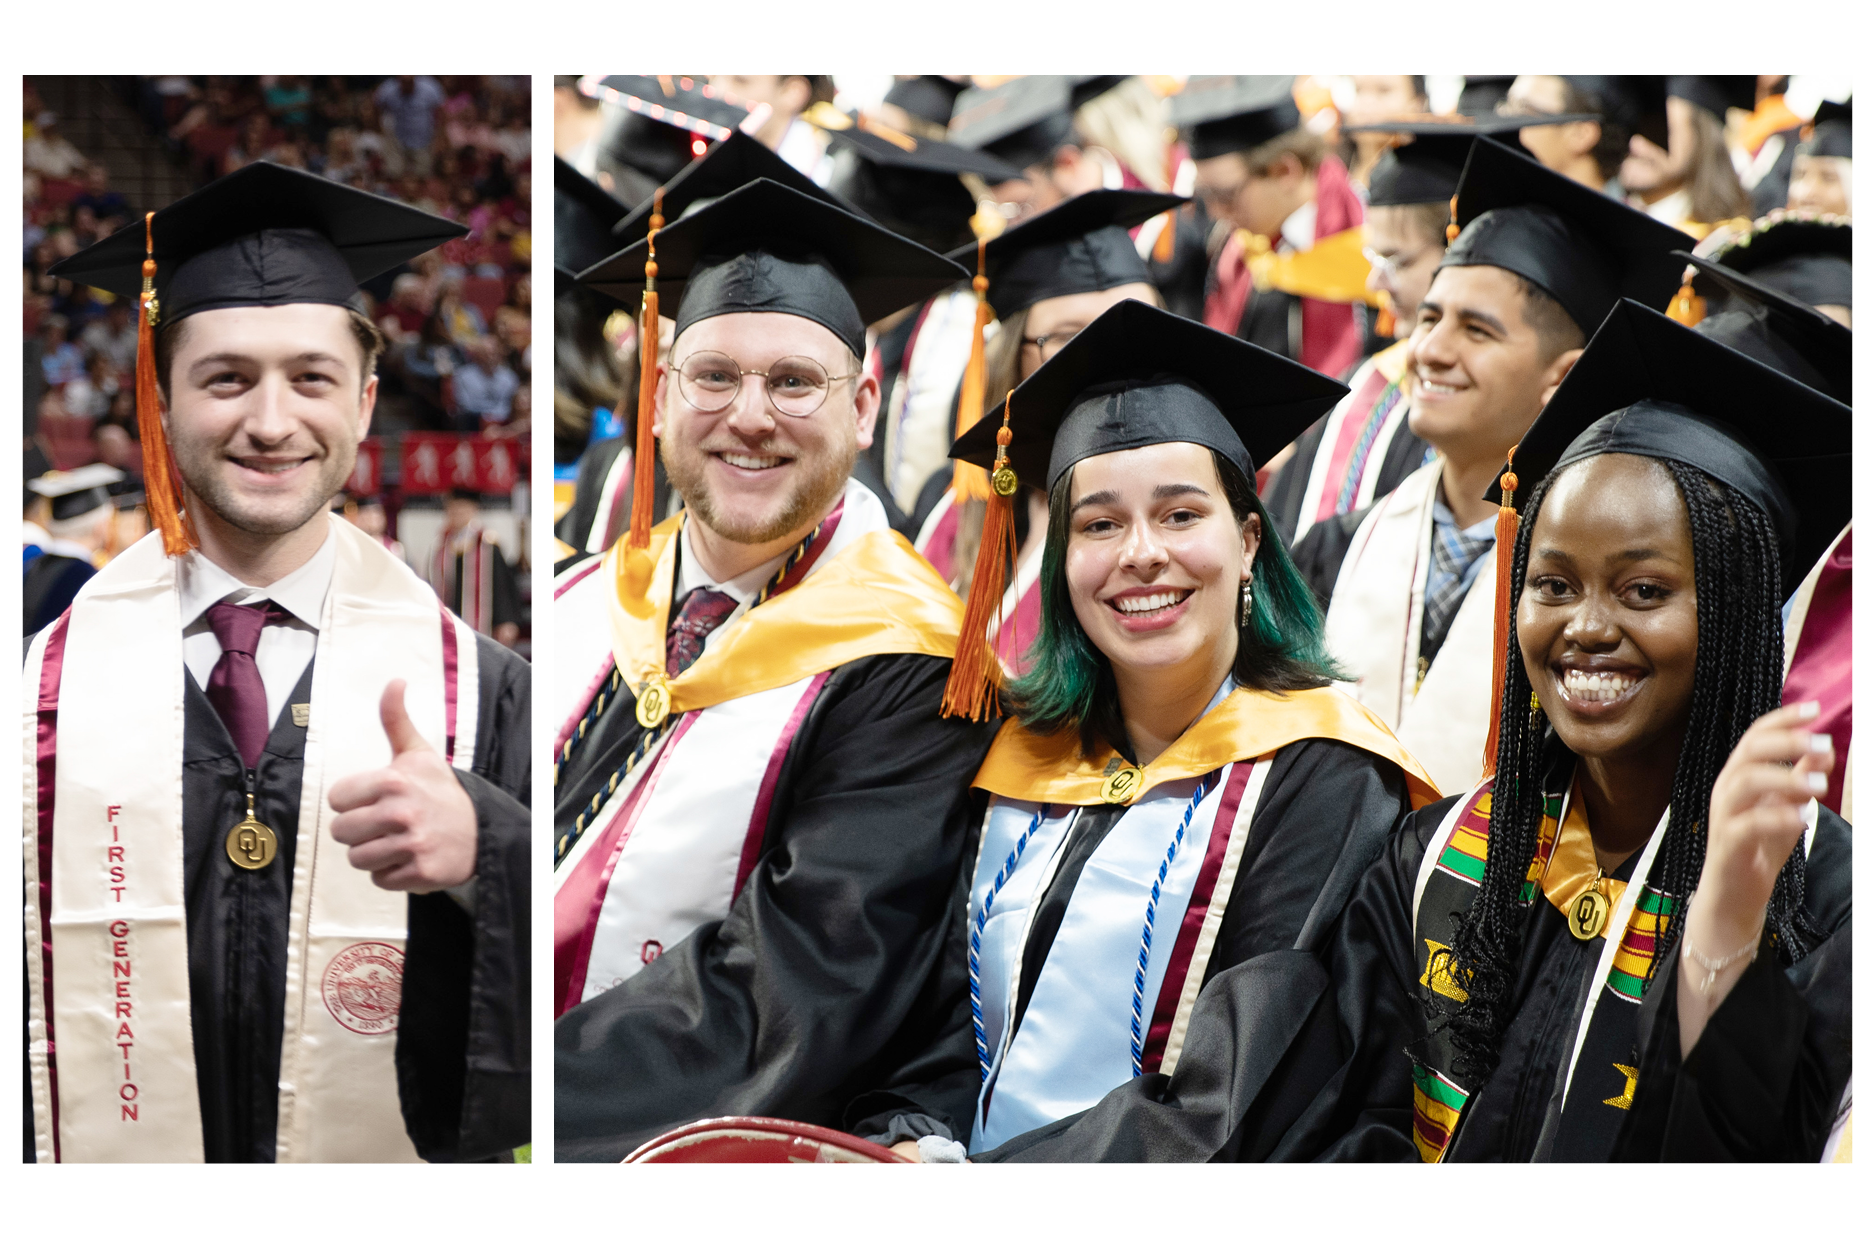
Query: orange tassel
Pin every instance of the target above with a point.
(644, 450)
(1451, 227)
(1687, 308)
(967, 480)
(1384, 324)
(1162, 246)
(162, 486)
(1500, 628)
(975, 671)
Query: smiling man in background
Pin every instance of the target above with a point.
(279, 911)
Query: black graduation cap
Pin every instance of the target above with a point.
(1482, 93)
(769, 248)
(1764, 301)
(657, 126)
(1024, 120)
(1584, 248)
(734, 162)
(908, 184)
(1715, 92)
(1831, 131)
(1426, 171)
(1648, 386)
(1079, 245)
(928, 97)
(261, 236)
(583, 216)
(1803, 255)
(74, 493)
(1225, 113)
(1139, 376)
(1635, 102)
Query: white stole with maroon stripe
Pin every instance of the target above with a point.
(119, 993)
(1373, 628)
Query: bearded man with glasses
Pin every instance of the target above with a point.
(759, 815)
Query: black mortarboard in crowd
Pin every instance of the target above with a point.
(1139, 376)
(928, 97)
(909, 185)
(732, 162)
(1482, 93)
(261, 236)
(1584, 248)
(768, 248)
(1715, 92)
(74, 493)
(1225, 113)
(1831, 131)
(1648, 386)
(1079, 245)
(1804, 256)
(583, 216)
(658, 125)
(1637, 103)
(1025, 120)
(1426, 171)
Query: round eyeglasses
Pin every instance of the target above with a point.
(797, 386)
(1046, 345)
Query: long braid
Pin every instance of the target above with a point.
(1737, 677)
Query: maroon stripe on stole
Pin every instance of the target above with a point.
(578, 901)
(582, 703)
(613, 508)
(578, 575)
(1020, 630)
(805, 564)
(51, 669)
(1173, 987)
(940, 548)
(765, 797)
(449, 687)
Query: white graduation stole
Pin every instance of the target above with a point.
(1373, 629)
(1074, 1042)
(116, 1009)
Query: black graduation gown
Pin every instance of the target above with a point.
(1326, 811)
(52, 582)
(575, 527)
(1181, 279)
(463, 1038)
(1284, 498)
(505, 591)
(1319, 556)
(1298, 1058)
(809, 991)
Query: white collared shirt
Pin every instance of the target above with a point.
(1299, 228)
(691, 575)
(286, 647)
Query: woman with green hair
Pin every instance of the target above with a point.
(1179, 787)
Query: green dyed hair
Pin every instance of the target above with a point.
(1069, 683)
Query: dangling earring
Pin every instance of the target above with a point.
(1249, 585)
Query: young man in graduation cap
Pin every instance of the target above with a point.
(280, 906)
(917, 189)
(72, 512)
(1601, 112)
(602, 499)
(759, 813)
(471, 574)
(1409, 584)
(1822, 173)
(1028, 122)
(1287, 276)
(1045, 280)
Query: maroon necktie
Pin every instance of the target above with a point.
(702, 611)
(234, 686)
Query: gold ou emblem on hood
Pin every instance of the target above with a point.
(1121, 786)
(654, 703)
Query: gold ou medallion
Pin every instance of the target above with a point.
(252, 845)
(1588, 914)
(654, 703)
(1004, 481)
(1120, 787)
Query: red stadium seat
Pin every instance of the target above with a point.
(756, 1139)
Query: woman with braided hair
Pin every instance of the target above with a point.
(1631, 941)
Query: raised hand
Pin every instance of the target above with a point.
(410, 825)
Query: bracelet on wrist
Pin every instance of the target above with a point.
(1713, 967)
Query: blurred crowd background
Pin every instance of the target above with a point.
(100, 152)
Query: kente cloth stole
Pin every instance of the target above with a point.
(1449, 878)
(111, 1051)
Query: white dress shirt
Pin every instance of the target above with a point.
(691, 575)
(286, 647)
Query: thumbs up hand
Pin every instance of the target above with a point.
(411, 825)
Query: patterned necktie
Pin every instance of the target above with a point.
(234, 686)
(1454, 552)
(702, 611)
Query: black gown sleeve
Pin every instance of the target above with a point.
(1319, 555)
(1284, 497)
(575, 528)
(1292, 1054)
(1765, 1079)
(809, 991)
(463, 1037)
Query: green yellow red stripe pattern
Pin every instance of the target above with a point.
(1653, 911)
(1463, 853)
(1436, 1104)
